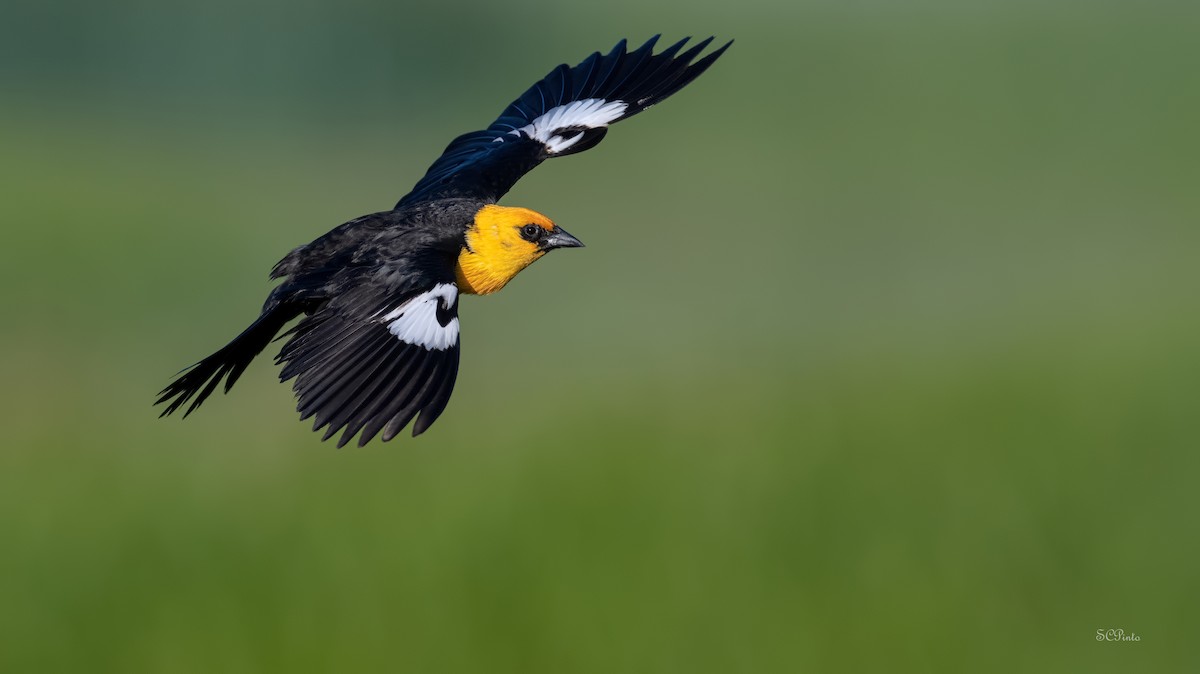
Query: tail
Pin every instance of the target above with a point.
(201, 379)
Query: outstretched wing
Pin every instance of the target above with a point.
(566, 112)
(369, 363)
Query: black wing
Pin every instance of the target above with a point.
(566, 112)
(366, 364)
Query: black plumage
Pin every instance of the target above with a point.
(475, 164)
(377, 345)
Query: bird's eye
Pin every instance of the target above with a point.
(531, 232)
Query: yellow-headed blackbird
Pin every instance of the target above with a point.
(378, 344)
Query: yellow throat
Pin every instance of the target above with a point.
(495, 252)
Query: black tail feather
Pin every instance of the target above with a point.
(200, 380)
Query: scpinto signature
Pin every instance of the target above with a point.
(1116, 635)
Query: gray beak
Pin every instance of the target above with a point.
(560, 239)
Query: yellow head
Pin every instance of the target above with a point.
(501, 242)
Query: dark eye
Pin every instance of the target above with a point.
(531, 232)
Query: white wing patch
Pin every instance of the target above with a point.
(590, 113)
(416, 321)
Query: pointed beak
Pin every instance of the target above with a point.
(560, 239)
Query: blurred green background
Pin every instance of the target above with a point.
(882, 355)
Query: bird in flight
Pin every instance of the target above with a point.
(378, 344)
